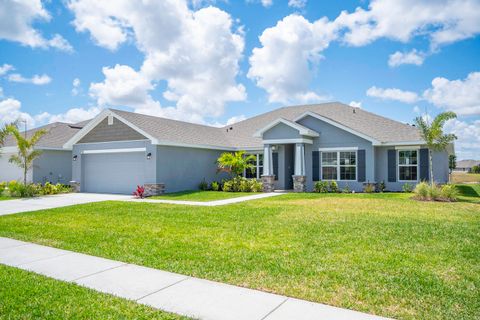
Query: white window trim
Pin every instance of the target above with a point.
(257, 166)
(404, 165)
(338, 166)
(126, 150)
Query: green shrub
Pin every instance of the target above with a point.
(215, 186)
(475, 169)
(321, 187)
(17, 189)
(203, 185)
(369, 188)
(3, 186)
(346, 189)
(407, 187)
(422, 191)
(333, 186)
(381, 186)
(49, 188)
(228, 186)
(245, 185)
(256, 186)
(434, 192)
(449, 193)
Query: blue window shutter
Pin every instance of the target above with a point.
(316, 165)
(392, 165)
(424, 165)
(275, 164)
(361, 166)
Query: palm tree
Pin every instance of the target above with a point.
(236, 163)
(3, 135)
(433, 135)
(26, 153)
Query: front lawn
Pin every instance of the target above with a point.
(377, 253)
(25, 295)
(196, 195)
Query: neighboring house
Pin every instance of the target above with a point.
(466, 165)
(54, 165)
(295, 146)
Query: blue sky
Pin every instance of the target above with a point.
(216, 62)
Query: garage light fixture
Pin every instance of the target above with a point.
(75, 158)
(149, 156)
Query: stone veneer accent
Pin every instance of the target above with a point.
(154, 189)
(268, 183)
(75, 186)
(299, 183)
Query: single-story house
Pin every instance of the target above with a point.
(466, 165)
(295, 146)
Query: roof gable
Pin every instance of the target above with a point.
(111, 130)
(303, 131)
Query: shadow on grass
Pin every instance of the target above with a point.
(469, 192)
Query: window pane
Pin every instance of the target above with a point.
(260, 159)
(408, 173)
(329, 173)
(329, 158)
(407, 157)
(347, 173)
(348, 158)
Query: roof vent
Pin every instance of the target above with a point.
(354, 111)
(231, 128)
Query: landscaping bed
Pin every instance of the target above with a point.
(377, 253)
(25, 295)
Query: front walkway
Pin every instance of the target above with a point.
(167, 291)
(69, 199)
(55, 201)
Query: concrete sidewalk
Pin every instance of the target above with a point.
(55, 201)
(167, 291)
(211, 203)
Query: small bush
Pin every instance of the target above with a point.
(333, 186)
(475, 169)
(17, 189)
(369, 188)
(434, 192)
(203, 185)
(381, 186)
(407, 187)
(228, 186)
(346, 189)
(449, 192)
(257, 186)
(245, 185)
(321, 187)
(241, 184)
(421, 191)
(3, 187)
(215, 186)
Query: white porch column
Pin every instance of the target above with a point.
(267, 160)
(300, 159)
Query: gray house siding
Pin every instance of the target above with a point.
(10, 171)
(54, 166)
(149, 166)
(281, 131)
(440, 168)
(117, 131)
(182, 168)
(333, 137)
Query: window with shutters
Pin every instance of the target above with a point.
(339, 165)
(407, 165)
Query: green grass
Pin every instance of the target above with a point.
(5, 198)
(378, 253)
(25, 295)
(195, 195)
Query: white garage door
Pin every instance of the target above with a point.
(113, 172)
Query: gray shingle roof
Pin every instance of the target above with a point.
(58, 134)
(240, 135)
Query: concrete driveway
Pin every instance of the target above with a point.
(55, 201)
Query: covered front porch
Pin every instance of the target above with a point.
(284, 160)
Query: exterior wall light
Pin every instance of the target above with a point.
(149, 156)
(75, 158)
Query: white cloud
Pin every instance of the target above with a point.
(266, 3)
(236, 119)
(467, 145)
(36, 79)
(413, 57)
(416, 109)
(393, 94)
(284, 65)
(443, 21)
(10, 112)
(16, 19)
(5, 69)
(356, 104)
(197, 54)
(1, 92)
(76, 87)
(297, 3)
(460, 96)
(73, 115)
